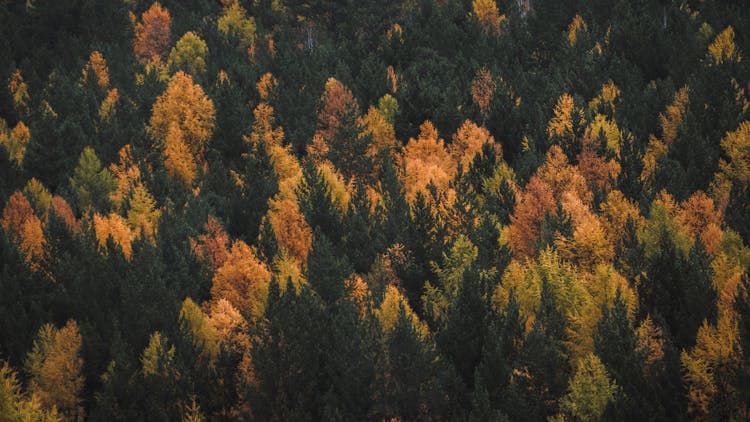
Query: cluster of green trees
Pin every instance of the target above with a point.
(340, 210)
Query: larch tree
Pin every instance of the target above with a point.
(339, 136)
(426, 160)
(127, 175)
(24, 227)
(189, 54)
(235, 23)
(143, 216)
(152, 34)
(590, 391)
(488, 16)
(212, 244)
(468, 142)
(91, 183)
(54, 366)
(62, 209)
(183, 119)
(96, 70)
(483, 87)
(116, 227)
(242, 280)
(17, 142)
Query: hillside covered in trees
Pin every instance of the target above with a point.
(283, 210)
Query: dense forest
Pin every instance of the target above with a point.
(282, 210)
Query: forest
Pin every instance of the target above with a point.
(408, 210)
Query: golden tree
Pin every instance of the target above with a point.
(468, 141)
(723, 48)
(16, 143)
(143, 216)
(483, 89)
(97, 68)
(19, 90)
(389, 309)
(117, 228)
(62, 209)
(212, 244)
(576, 25)
(488, 15)
(267, 86)
(183, 118)
(126, 174)
(54, 365)
(670, 121)
(426, 160)
(293, 234)
(152, 34)
(243, 280)
(185, 104)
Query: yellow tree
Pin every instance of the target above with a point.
(24, 228)
(117, 228)
(126, 174)
(670, 121)
(243, 280)
(143, 216)
(96, 69)
(212, 244)
(183, 119)
(426, 160)
(62, 209)
(293, 234)
(723, 48)
(16, 143)
(152, 34)
(468, 141)
(483, 89)
(54, 366)
(488, 15)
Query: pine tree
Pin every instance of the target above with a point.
(326, 269)
(462, 339)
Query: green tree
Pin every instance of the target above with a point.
(189, 54)
(326, 269)
(91, 183)
(590, 391)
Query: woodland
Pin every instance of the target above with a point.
(411, 210)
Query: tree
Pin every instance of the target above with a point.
(340, 137)
(96, 69)
(462, 339)
(735, 170)
(115, 227)
(483, 86)
(288, 354)
(189, 55)
(488, 16)
(152, 34)
(590, 391)
(17, 142)
(54, 365)
(91, 183)
(242, 280)
(426, 160)
(542, 368)
(415, 377)
(326, 269)
(143, 216)
(183, 112)
(235, 23)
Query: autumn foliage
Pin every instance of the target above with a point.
(152, 34)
